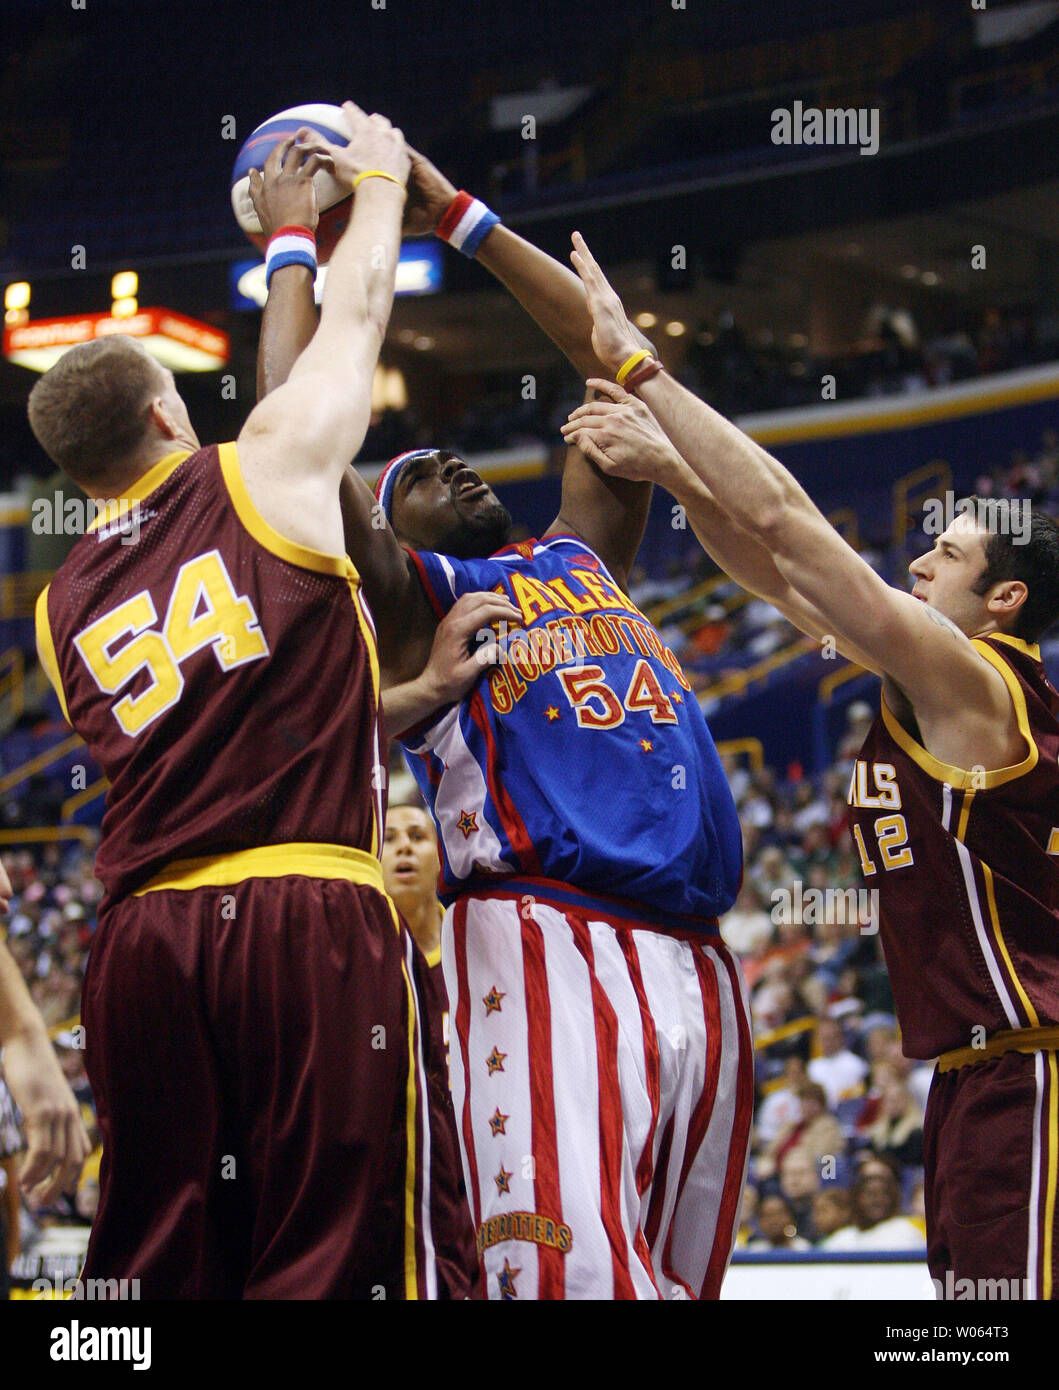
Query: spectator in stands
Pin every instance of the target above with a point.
(747, 1216)
(799, 1182)
(832, 1209)
(898, 1132)
(877, 1223)
(747, 929)
(10, 1206)
(779, 1231)
(838, 1070)
(859, 718)
(782, 1107)
(815, 1132)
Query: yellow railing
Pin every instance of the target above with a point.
(47, 834)
(750, 748)
(785, 1030)
(73, 804)
(918, 486)
(738, 681)
(834, 679)
(13, 681)
(40, 762)
(18, 592)
(659, 612)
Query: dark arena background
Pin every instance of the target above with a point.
(876, 304)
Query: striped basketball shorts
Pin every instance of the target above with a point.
(602, 1079)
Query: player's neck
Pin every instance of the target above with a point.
(424, 921)
(125, 478)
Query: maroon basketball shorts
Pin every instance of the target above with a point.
(253, 1045)
(991, 1161)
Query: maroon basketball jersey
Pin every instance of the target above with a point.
(224, 678)
(965, 862)
(437, 998)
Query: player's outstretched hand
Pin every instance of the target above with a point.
(373, 144)
(283, 194)
(429, 195)
(57, 1141)
(465, 643)
(621, 436)
(613, 339)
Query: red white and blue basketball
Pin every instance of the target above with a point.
(333, 199)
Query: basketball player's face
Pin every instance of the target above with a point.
(410, 855)
(945, 576)
(441, 504)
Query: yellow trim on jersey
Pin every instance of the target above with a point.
(433, 957)
(411, 1227)
(46, 649)
(367, 633)
(266, 535)
(960, 778)
(965, 814)
(1031, 1012)
(307, 860)
(1030, 649)
(141, 488)
(1009, 1040)
(1053, 1159)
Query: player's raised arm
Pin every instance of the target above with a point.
(283, 197)
(918, 648)
(609, 512)
(296, 444)
(627, 439)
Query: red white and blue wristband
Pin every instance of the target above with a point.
(290, 246)
(466, 224)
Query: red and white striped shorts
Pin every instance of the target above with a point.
(602, 1078)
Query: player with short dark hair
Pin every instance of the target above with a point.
(252, 1038)
(954, 797)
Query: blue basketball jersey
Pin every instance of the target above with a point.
(583, 756)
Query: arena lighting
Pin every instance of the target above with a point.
(125, 285)
(180, 343)
(419, 271)
(123, 308)
(388, 389)
(645, 319)
(16, 295)
(675, 328)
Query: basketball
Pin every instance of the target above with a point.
(332, 198)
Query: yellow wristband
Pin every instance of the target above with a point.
(378, 174)
(630, 363)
